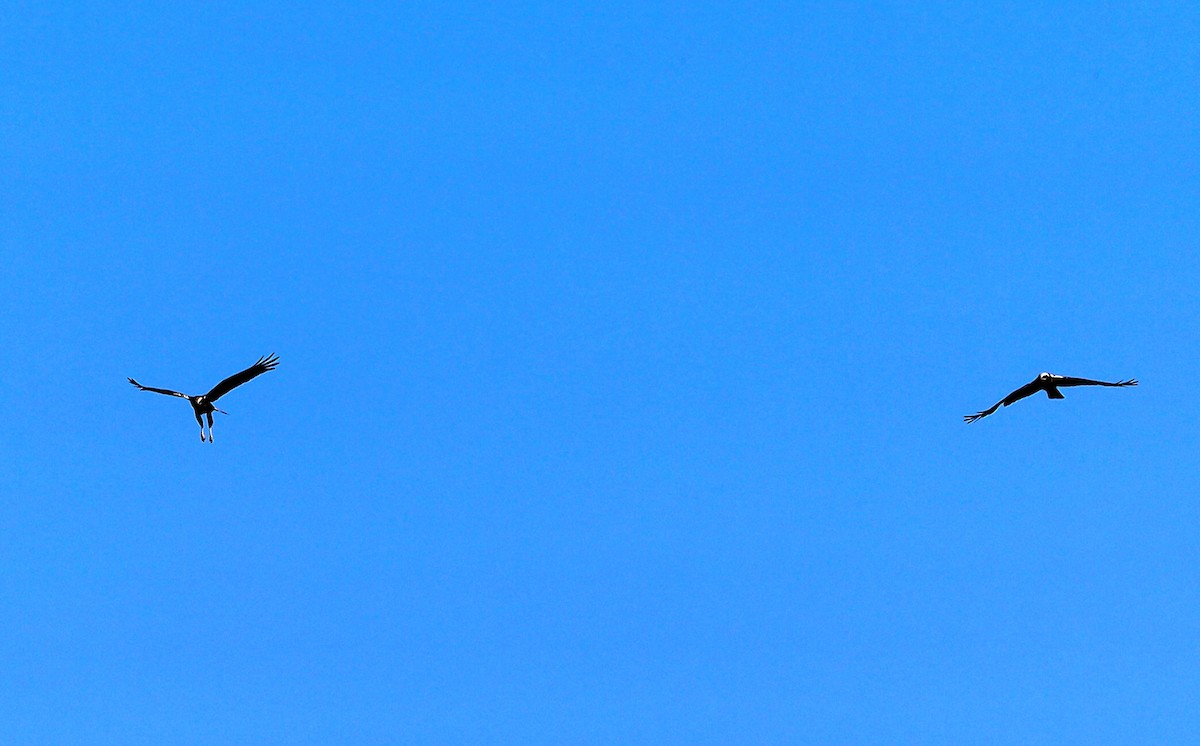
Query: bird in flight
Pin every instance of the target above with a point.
(1049, 383)
(203, 404)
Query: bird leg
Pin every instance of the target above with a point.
(210, 424)
(200, 422)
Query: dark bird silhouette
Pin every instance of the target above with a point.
(203, 404)
(1049, 383)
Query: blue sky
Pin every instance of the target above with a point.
(624, 350)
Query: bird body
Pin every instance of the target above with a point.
(202, 405)
(1050, 383)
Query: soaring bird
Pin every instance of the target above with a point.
(1049, 383)
(203, 404)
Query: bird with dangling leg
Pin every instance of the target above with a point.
(202, 405)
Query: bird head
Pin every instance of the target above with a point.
(1044, 376)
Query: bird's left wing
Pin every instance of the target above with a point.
(981, 415)
(157, 391)
(1026, 390)
(237, 379)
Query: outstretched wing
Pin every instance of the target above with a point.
(157, 391)
(981, 415)
(1030, 388)
(237, 379)
(1069, 381)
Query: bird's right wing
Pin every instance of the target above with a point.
(1030, 388)
(237, 379)
(157, 391)
(1071, 381)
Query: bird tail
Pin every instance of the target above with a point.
(1054, 393)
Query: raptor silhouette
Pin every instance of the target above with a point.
(203, 404)
(1049, 383)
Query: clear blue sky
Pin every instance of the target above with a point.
(624, 354)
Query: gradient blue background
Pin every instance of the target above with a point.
(624, 354)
